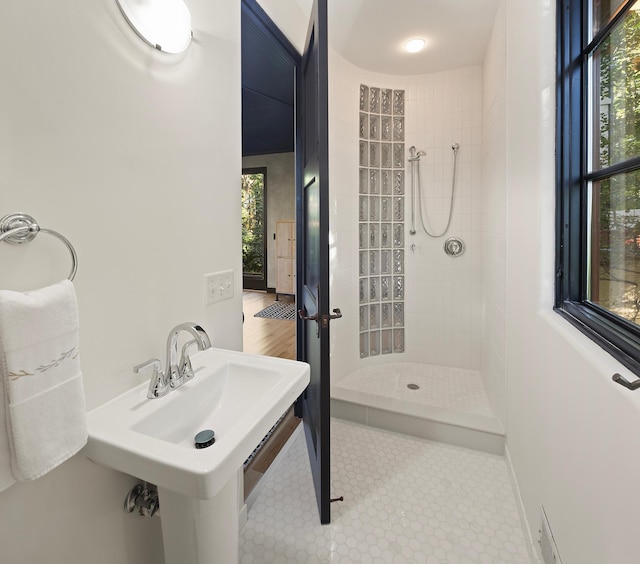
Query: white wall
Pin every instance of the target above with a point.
(134, 155)
(443, 295)
(494, 217)
(572, 432)
(281, 199)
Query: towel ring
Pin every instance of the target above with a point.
(20, 228)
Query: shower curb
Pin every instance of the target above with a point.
(446, 426)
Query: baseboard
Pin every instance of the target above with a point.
(524, 522)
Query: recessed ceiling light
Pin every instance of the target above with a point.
(415, 45)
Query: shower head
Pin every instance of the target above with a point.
(455, 147)
(413, 156)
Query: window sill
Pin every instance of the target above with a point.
(586, 343)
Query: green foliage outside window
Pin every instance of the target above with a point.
(616, 244)
(252, 223)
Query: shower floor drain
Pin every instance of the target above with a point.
(413, 386)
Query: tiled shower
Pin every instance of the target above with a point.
(412, 302)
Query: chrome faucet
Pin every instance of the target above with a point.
(176, 372)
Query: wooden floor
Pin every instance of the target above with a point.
(268, 337)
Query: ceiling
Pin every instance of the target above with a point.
(371, 33)
(267, 90)
(368, 33)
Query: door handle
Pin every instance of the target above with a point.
(337, 314)
(303, 315)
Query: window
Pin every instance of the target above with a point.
(598, 169)
(254, 237)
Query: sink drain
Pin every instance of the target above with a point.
(413, 386)
(205, 438)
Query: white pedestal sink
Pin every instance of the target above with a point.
(240, 397)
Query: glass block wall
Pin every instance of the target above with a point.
(381, 221)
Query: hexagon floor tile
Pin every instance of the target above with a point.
(406, 500)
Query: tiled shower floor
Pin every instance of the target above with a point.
(405, 500)
(445, 387)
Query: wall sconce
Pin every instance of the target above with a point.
(163, 24)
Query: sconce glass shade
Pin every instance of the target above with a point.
(163, 24)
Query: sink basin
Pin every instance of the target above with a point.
(237, 395)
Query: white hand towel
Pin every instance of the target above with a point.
(40, 371)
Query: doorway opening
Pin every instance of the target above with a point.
(269, 64)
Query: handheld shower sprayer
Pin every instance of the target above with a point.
(414, 161)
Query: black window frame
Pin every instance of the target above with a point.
(617, 336)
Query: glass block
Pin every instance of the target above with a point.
(374, 208)
(364, 345)
(363, 130)
(364, 98)
(398, 102)
(398, 181)
(374, 237)
(374, 127)
(363, 236)
(386, 338)
(386, 159)
(398, 208)
(385, 234)
(363, 208)
(386, 181)
(363, 263)
(398, 314)
(385, 288)
(385, 315)
(385, 262)
(374, 316)
(385, 101)
(364, 290)
(374, 181)
(363, 183)
(374, 154)
(374, 343)
(386, 208)
(374, 100)
(398, 340)
(364, 318)
(385, 128)
(398, 155)
(364, 153)
(398, 287)
(398, 262)
(398, 128)
(374, 289)
(398, 235)
(374, 263)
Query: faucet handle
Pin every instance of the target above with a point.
(186, 370)
(157, 386)
(155, 362)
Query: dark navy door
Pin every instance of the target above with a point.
(313, 249)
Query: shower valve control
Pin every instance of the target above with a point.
(454, 247)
